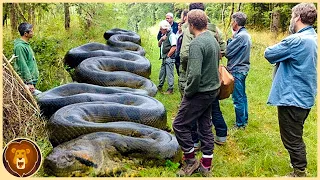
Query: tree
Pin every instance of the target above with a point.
(13, 18)
(275, 21)
(239, 7)
(66, 16)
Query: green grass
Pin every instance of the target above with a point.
(257, 151)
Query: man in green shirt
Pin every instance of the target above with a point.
(202, 87)
(26, 64)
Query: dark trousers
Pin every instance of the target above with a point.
(177, 63)
(291, 121)
(195, 109)
(218, 121)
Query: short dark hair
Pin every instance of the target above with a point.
(306, 11)
(185, 12)
(24, 27)
(240, 18)
(196, 6)
(198, 19)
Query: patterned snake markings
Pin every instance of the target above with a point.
(114, 87)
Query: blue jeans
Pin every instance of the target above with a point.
(239, 98)
(217, 120)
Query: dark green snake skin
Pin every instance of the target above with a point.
(109, 114)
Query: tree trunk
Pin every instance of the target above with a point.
(5, 14)
(230, 18)
(275, 25)
(18, 8)
(222, 13)
(13, 19)
(254, 16)
(66, 16)
(222, 17)
(31, 16)
(239, 7)
(88, 20)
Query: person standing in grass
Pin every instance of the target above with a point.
(217, 117)
(25, 64)
(294, 86)
(167, 44)
(238, 55)
(202, 87)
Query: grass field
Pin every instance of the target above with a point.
(254, 152)
(258, 150)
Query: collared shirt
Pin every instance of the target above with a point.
(174, 29)
(172, 41)
(238, 51)
(295, 81)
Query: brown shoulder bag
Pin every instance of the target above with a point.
(227, 82)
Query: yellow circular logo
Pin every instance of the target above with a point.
(22, 157)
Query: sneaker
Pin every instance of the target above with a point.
(219, 142)
(188, 167)
(290, 165)
(169, 91)
(235, 127)
(159, 88)
(196, 146)
(206, 172)
(297, 173)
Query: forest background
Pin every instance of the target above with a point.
(257, 151)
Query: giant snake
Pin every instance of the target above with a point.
(114, 87)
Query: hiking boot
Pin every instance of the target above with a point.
(205, 172)
(297, 173)
(169, 91)
(188, 167)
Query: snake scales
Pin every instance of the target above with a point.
(114, 87)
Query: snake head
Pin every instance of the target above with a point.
(69, 163)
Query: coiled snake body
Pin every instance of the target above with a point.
(83, 114)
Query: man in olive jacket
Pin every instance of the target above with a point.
(187, 38)
(26, 64)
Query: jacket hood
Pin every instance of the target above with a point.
(20, 41)
(211, 27)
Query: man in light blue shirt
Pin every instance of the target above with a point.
(294, 85)
(238, 55)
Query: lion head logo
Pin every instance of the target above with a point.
(22, 157)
